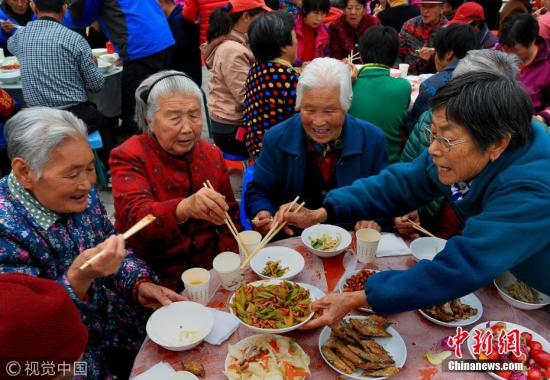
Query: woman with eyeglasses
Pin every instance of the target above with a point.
(488, 159)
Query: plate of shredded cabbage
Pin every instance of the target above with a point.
(266, 357)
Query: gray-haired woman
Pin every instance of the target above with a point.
(162, 172)
(53, 222)
(317, 150)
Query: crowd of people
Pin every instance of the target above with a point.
(304, 92)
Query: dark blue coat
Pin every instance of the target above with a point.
(279, 171)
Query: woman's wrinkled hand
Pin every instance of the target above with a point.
(301, 219)
(153, 296)
(367, 224)
(7, 26)
(205, 204)
(262, 222)
(334, 307)
(405, 228)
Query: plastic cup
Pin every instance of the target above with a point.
(197, 284)
(228, 267)
(367, 244)
(250, 239)
(404, 69)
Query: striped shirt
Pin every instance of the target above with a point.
(56, 64)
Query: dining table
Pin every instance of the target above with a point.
(420, 335)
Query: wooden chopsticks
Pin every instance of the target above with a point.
(230, 224)
(351, 56)
(273, 231)
(148, 219)
(418, 227)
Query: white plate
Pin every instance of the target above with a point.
(470, 300)
(342, 282)
(507, 278)
(318, 230)
(509, 325)
(271, 331)
(183, 375)
(395, 345)
(99, 52)
(425, 248)
(288, 257)
(167, 325)
(314, 291)
(10, 77)
(244, 343)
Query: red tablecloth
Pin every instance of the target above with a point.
(420, 335)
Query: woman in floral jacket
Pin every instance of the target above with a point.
(53, 222)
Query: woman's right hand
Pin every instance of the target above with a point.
(7, 26)
(262, 222)
(205, 204)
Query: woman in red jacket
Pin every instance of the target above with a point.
(162, 171)
(311, 32)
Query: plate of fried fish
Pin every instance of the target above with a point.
(458, 312)
(363, 347)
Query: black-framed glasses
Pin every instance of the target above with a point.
(444, 143)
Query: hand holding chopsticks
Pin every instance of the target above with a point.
(137, 227)
(419, 228)
(352, 57)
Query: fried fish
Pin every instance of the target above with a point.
(370, 327)
(336, 361)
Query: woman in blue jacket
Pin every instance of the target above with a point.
(13, 13)
(486, 158)
(317, 150)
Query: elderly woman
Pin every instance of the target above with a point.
(53, 222)
(162, 172)
(13, 13)
(270, 96)
(317, 150)
(491, 162)
(346, 32)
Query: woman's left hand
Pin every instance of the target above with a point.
(367, 224)
(153, 296)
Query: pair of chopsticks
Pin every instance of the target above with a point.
(352, 57)
(148, 219)
(418, 227)
(273, 231)
(230, 223)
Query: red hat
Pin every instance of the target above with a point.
(236, 6)
(38, 323)
(467, 13)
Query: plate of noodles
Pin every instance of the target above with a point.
(326, 240)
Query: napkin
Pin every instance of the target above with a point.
(392, 245)
(225, 325)
(159, 371)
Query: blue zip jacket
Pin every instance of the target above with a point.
(507, 219)
(279, 171)
(5, 36)
(137, 28)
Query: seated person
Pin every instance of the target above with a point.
(270, 96)
(520, 37)
(397, 13)
(311, 32)
(471, 13)
(450, 7)
(64, 71)
(485, 154)
(451, 44)
(346, 32)
(53, 222)
(162, 171)
(319, 149)
(39, 321)
(13, 13)
(377, 97)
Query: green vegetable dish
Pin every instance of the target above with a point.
(274, 269)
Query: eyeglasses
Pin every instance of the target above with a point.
(444, 143)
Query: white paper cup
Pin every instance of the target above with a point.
(367, 244)
(404, 69)
(197, 284)
(228, 267)
(250, 239)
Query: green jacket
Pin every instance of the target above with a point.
(383, 101)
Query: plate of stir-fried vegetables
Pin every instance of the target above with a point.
(271, 306)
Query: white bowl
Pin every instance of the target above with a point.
(425, 248)
(270, 331)
(111, 58)
(180, 326)
(287, 256)
(318, 230)
(10, 77)
(508, 278)
(183, 375)
(104, 66)
(99, 52)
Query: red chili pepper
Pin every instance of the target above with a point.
(541, 357)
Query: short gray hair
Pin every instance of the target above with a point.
(323, 73)
(34, 133)
(162, 83)
(486, 60)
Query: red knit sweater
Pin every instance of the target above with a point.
(148, 180)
